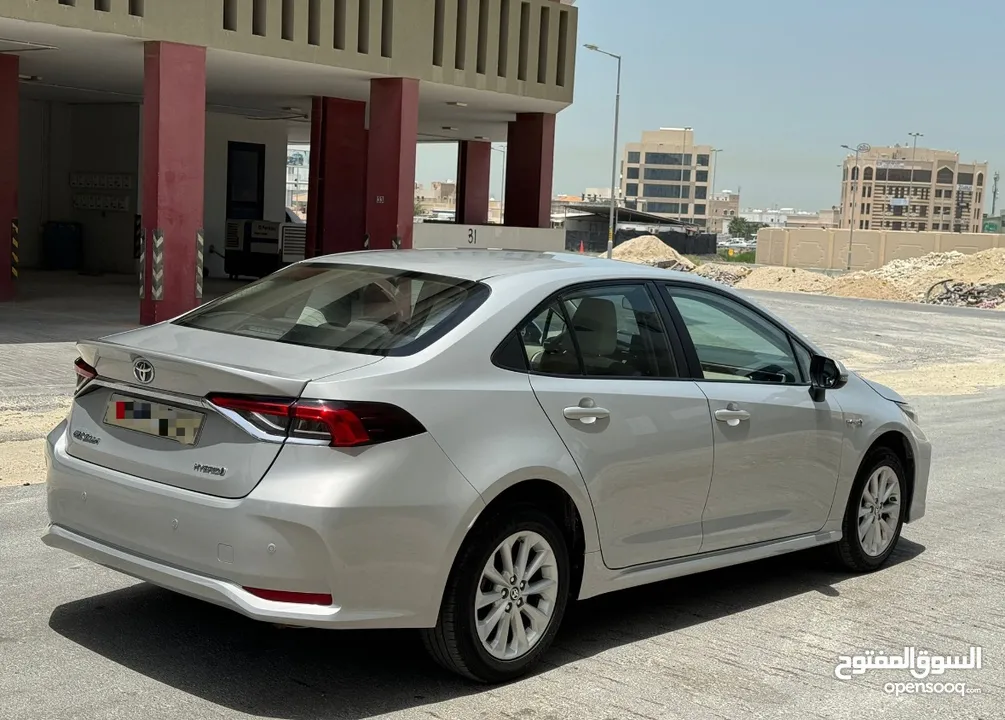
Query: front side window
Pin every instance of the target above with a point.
(600, 332)
(351, 308)
(734, 343)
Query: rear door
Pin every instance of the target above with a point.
(777, 452)
(603, 370)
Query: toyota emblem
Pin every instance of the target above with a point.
(143, 371)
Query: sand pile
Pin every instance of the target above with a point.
(786, 280)
(650, 250)
(917, 275)
(863, 285)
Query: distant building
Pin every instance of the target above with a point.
(667, 174)
(725, 206)
(792, 218)
(900, 188)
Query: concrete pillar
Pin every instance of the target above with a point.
(390, 182)
(9, 126)
(336, 196)
(530, 165)
(474, 167)
(174, 156)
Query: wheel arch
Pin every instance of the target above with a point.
(898, 443)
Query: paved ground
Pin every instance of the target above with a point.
(759, 641)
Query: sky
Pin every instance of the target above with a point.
(780, 85)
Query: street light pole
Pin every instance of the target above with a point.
(858, 149)
(715, 165)
(914, 154)
(614, 163)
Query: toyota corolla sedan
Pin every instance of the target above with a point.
(464, 441)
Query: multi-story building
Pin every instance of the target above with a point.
(724, 207)
(667, 174)
(900, 188)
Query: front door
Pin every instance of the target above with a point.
(777, 452)
(603, 371)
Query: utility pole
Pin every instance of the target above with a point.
(994, 194)
(858, 150)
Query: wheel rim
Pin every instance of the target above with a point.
(879, 511)
(516, 595)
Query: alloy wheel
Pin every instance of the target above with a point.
(879, 511)
(516, 595)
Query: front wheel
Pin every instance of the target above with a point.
(874, 516)
(505, 598)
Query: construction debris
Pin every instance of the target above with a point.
(964, 294)
(723, 273)
(786, 279)
(650, 250)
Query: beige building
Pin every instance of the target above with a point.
(724, 207)
(900, 188)
(668, 174)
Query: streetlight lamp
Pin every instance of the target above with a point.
(614, 163)
(858, 149)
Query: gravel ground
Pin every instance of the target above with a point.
(758, 641)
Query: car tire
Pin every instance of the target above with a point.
(455, 642)
(870, 552)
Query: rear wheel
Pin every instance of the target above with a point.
(505, 598)
(875, 513)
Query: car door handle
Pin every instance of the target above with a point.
(585, 415)
(732, 415)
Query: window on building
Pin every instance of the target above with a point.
(897, 225)
(684, 207)
(686, 175)
(861, 224)
(633, 173)
(868, 208)
(702, 160)
(854, 173)
(662, 174)
(685, 191)
(867, 175)
(701, 176)
(632, 189)
(700, 222)
(661, 191)
(699, 209)
(862, 210)
(653, 158)
(922, 176)
(634, 158)
(898, 175)
(867, 191)
(700, 192)
(898, 210)
(663, 207)
(965, 178)
(922, 211)
(881, 173)
(844, 175)
(980, 179)
(866, 224)
(944, 176)
(945, 226)
(948, 194)
(938, 193)
(922, 227)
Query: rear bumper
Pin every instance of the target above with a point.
(214, 590)
(377, 531)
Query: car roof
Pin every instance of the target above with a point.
(482, 264)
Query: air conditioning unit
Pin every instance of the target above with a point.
(292, 242)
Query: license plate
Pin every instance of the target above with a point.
(153, 418)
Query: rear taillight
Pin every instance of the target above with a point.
(291, 597)
(85, 373)
(339, 424)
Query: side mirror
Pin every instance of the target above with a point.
(826, 374)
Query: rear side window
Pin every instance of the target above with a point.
(610, 331)
(351, 308)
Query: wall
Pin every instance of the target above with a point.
(58, 140)
(828, 249)
(448, 235)
(220, 130)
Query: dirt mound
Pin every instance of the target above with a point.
(786, 280)
(862, 285)
(987, 266)
(650, 250)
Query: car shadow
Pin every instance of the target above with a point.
(260, 669)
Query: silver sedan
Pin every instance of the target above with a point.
(464, 441)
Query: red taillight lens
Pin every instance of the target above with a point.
(340, 424)
(85, 373)
(291, 597)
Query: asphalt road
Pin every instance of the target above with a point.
(757, 641)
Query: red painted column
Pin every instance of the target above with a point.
(336, 195)
(174, 156)
(474, 166)
(9, 143)
(390, 183)
(530, 165)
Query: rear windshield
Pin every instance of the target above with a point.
(352, 308)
